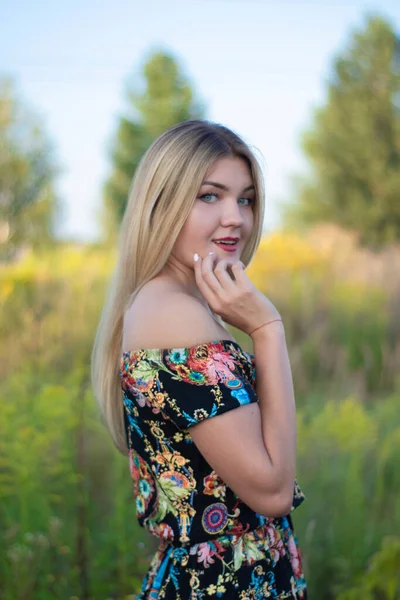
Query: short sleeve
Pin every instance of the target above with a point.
(188, 385)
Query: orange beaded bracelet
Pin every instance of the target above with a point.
(267, 323)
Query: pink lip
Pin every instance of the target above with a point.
(230, 248)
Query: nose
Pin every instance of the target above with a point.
(231, 214)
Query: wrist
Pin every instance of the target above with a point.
(273, 328)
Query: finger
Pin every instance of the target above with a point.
(221, 273)
(238, 271)
(207, 270)
(202, 284)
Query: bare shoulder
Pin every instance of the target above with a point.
(164, 316)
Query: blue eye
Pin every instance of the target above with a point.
(209, 194)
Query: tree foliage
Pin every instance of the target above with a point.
(167, 99)
(27, 175)
(354, 142)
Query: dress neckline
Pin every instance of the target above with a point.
(225, 342)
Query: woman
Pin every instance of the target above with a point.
(211, 440)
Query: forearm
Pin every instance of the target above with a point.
(274, 386)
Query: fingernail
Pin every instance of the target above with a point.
(211, 253)
(196, 257)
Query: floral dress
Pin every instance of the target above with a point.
(211, 544)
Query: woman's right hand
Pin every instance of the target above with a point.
(238, 302)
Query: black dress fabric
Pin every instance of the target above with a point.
(211, 544)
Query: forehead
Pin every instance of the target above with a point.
(230, 170)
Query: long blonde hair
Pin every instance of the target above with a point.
(161, 197)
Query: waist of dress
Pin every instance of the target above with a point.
(268, 529)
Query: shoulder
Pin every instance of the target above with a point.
(164, 316)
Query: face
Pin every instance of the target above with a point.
(223, 209)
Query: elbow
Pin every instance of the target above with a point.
(277, 504)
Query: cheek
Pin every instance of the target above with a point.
(194, 236)
(198, 225)
(186, 232)
(249, 222)
(186, 238)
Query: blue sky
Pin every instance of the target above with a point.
(259, 66)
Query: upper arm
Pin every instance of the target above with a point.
(230, 438)
(233, 445)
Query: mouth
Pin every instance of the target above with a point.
(228, 245)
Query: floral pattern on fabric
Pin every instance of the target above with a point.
(211, 543)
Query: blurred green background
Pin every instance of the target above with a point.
(67, 518)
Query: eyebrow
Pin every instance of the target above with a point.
(223, 187)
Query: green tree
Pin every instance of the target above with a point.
(27, 174)
(354, 142)
(167, 99)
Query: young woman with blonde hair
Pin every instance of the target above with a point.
(209, 429)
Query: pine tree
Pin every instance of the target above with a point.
(354, 142)
(167, 99)
(28, 203)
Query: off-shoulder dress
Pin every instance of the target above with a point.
(211, 544)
